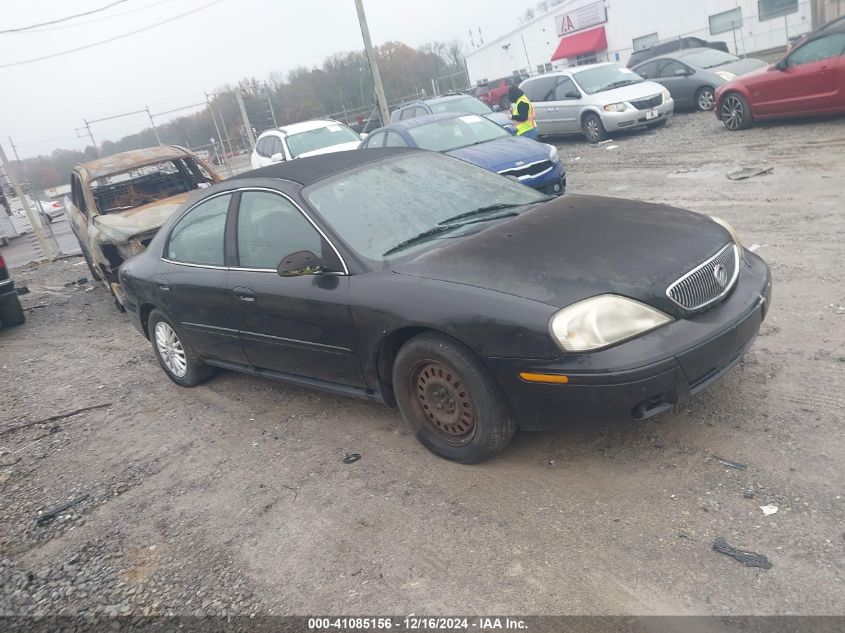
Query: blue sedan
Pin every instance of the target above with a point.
(475, 139)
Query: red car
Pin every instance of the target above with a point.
(810, 80)
(496, 92)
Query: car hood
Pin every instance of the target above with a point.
(503, 153)
(341, 147)
(741, 67)
(576, 247)
(501, 118)
(642, 90)
(121, 226)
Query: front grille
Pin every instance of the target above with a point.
(648, 104)
(707, 283)
(527, 171)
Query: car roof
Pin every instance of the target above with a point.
(572, 70)
(304, 126)
(422, 120)
(133, 158)
(677, 54)
(312, 169)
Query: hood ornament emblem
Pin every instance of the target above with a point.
(720, 274)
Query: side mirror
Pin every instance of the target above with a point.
(572, 94)
(682, 72)
(300, 263)
(278, 157)
(643, 75)
(781, 65)
(497, 108)
(363, 136)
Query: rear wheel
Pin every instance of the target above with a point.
(450, 400)
(181, 364)
(704, 99)
(593, 128)
(735, 112)
(11, 312)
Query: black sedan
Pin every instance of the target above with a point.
(473, 303)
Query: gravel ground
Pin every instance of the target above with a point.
(232, 499)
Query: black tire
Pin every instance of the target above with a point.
(95, 275)
(593, 128)
(705, 98)
(735, 112)
(450, 401)
(195, 371)
(11, 312)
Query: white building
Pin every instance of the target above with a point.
(587, 31)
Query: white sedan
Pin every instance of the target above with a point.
(308, 138)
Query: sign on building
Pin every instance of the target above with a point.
(581, 18)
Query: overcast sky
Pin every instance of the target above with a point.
(171, 66)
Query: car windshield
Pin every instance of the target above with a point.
(462, 104)
(449, 134)
(383, 205)
(593, 80)
(142, 185)
(709, 58)
(321, 138)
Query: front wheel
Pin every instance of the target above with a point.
(735, 112)
(450, 400)
(704, 99)
(593, 128)
(181, 364)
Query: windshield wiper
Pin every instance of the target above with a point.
(422, 237)
(482, 210)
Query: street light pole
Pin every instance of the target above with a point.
(368, 47)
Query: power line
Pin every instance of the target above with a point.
(92, 21)
(111, 39)
(70, 17)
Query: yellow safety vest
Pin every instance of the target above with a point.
(529, 124)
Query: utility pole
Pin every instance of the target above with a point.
(30, 214)
(54, 245)
(153, 123)
(368, 48)
(250, 136)
(91, 136)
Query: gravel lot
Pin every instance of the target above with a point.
(232, 498)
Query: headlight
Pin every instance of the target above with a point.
(601, 321)
(726, 75)
(553, 153)
(667, 96)
(616, 107)
(729, 229)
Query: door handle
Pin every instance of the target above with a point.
(163, 287)
(244, 294)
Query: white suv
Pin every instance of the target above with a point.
(308, 138)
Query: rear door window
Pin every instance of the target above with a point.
(541, 89)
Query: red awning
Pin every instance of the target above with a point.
(590, 41)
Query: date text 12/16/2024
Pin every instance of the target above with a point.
(416, 623)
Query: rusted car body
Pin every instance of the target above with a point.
(118, 203)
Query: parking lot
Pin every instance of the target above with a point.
(233, 497)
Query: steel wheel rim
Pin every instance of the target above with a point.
(592, 128)
(705, 100)
(733, 113)
(170, 350)
(444, 401)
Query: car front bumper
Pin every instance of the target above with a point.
(647, 375)
(632, 119)
(552, 182)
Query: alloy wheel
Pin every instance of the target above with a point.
(705, 100)
(445, 401)
(733, 112)
(593, 131)
(170, 349)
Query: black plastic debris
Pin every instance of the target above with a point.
(22, 290)
(729, 463)
(749, 172)
(749, 559)
(351, 458)
(52, 513)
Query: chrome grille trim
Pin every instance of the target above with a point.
(648, 103)
(698, 288)
(530, 170)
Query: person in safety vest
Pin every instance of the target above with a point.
(522, 113)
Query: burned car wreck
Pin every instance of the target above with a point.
(118, 203)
